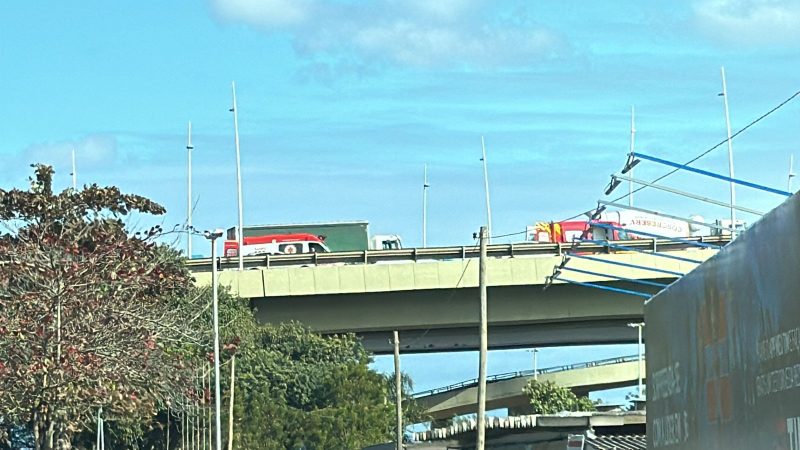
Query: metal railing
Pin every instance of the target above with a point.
(527, 373)
(447, 253)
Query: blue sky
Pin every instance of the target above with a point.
(342, 102)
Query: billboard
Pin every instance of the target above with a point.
(723, 345)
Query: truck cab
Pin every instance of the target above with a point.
(385, 242)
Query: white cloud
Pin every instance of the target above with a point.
(91, 151)
(750, 22)
(415, 33)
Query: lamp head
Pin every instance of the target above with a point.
(213, 234)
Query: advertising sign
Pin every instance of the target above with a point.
(723, 345)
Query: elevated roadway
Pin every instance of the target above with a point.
(506, 390)
(431, 296)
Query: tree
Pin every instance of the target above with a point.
(315, 392)
(92, 315)
(549, 398)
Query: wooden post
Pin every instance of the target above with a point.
(481, 432)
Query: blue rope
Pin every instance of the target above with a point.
(589, 272)
(633, 266)
(712, 174)
(605, 288)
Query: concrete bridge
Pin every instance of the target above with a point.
(506, 390)
(431, 295)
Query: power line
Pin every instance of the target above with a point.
(724, 141)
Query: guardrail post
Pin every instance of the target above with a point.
(560, 250)
(655, 245)
(512, 249)
(415, 254)
(463, 252)
(366, 258)
(267, 261)
(315, 259)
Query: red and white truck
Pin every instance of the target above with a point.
(630, 221)
(277, 244)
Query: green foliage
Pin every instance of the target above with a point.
(92, 315)
(549, 398)
(314, 392)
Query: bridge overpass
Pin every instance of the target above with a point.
(431, 295)
(506, 390)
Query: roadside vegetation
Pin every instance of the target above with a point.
(99, 320)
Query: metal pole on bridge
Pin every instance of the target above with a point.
(240, 230)
(484, 341)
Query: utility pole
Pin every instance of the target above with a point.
(189, 148)
(425, 187)
(486, 186)
(639, 325)
(398, 391)
(633, 142)
(730, 152)
(240, 231)
(484, 342)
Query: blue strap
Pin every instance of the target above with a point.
(711, 174)
(620, 263)
(605, 288)
(632, 280)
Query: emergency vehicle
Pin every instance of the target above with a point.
(277, 244)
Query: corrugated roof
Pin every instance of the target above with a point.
(629, 442)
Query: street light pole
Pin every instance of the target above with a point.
(639, 325)
(535, 363)
(425, 187)
(486, 187)
(240, 231)
(633, 142)
(189, 148)
(213, 236)
(730, 152)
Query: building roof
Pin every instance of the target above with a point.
(628, 442)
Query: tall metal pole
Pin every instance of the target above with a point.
(425, 187)
(74, 172)
(484, 341)
(730, 151)
(398, 392)
(189, 148)
(791, 172)
(240, 231)
(639, 325)
(536, 364)
(486, 186)
(210, 439)
(217, 395)
(230, 408)
(633, 145)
